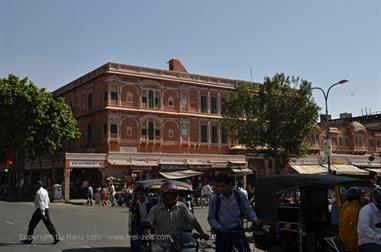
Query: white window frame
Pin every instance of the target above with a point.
(129, 131)
(184, 129)
(184, 100)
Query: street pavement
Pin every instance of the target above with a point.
(81, 228)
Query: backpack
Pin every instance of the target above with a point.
(238, 199)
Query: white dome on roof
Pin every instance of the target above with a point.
(356, 126)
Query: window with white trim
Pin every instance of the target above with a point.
(184, 100)
(114, 96)
(129, 131)
(213, 105)
(203, 104)
(114, 129)
(184, 131)
(214, 134)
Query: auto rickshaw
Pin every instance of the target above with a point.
(296, 210)
(152, 187)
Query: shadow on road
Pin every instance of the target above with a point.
(103, 249)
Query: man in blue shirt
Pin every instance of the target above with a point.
(226, 209)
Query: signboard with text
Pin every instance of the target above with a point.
(89, 164)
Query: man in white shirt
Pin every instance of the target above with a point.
(206, 191)
(41, 202)
(111, 189)
(369, 224)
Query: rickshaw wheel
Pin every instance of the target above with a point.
(276, 247)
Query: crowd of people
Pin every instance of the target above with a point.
(359, 221)
(227, 207)
(103, 195)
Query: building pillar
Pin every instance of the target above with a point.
(67, 184)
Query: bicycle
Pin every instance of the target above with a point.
(245, 241)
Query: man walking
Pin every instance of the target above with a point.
(111, 189)
(90, 195)
(41, 202)
(206, 191)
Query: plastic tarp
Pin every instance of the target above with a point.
(180, 174)
(348, 170)
(310, 169)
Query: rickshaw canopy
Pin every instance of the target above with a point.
(154, 184)
(267, 188)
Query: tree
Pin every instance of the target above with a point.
(32, 122)
(276, 117)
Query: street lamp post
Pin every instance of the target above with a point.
(328, 137)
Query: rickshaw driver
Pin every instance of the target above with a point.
(170, 217)
(226, 209)
(369, 224)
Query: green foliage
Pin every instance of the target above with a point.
(31, 120)
(276, 117)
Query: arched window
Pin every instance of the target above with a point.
(130, 97)
(151, 130)
(170, 133)
(170, 102)
(151, 99)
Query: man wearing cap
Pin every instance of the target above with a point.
(41, 202)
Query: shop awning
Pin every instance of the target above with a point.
(119, 162)
(180, 174)
(348, 170)
(237, 162)
(310, 169)
(366, 165)
(242, 171)
(143, 164)
(239, 147)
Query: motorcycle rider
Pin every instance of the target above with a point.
(169, 218)
(369, 224)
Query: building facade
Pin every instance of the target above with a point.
(138, 120)
(356, 147)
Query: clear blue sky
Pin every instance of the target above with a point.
(55, 42)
